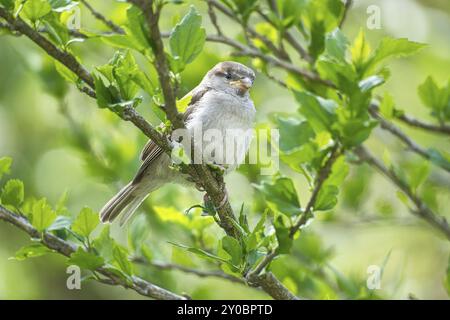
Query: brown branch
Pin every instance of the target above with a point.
(114, 27)
(152, 17)
(393, 129)
(289, 38)
(278, 52)
(322, 176)
(213, 186)
(66, 248)
(423, 125)
(250, 52)
(421, 210)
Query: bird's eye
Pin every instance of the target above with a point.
(228, 76)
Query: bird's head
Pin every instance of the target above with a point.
(232, 77)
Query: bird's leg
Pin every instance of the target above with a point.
(224, 200)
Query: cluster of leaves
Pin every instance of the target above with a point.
(93, 253)
(125, 77)
(329, 116)
(51, 14)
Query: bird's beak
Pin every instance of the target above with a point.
(244, 84)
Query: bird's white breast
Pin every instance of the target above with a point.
(225, 112)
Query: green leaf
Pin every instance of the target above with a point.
(355, 131)
(42, 215)
(137, 233)
(120, 256)
(5, 165)
(336, 45)
(35, 10)
(319, 112)
(201, 253)
(122, 41)
(137, 27)
(31, 251)
(327, 198)
(233, 248)
(317, 42)
(360, 51)
(394, 48)
(13, 193)
(60, 223)
(281, 195)
(439, 159)
(62, 5)
(387, 106)
(56, 30)
(86, 221)
(342, 74)
(65, 72)
(85, 260)
(104, 244)
(183, 103)
(433, 97)
(418, 173)
(293, 132)
(187, 38)
(8, 4)
(104, 96)
(170, 214)
(328, 12)
(282, 232)
(447, 278)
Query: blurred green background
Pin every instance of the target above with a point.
(72, 146)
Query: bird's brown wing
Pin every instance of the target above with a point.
(151, 150)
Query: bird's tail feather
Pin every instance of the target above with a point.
(124, 199)
(128, 212)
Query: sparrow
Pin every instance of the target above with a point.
(218, 105)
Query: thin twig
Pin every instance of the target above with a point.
(199, 273)
(289, 38)
(66, 248)
(249, 31)
(322, 176)
(347, 7)
(421, 209)
(423, 125)
(393, 129)
(213, 18)
(102, 18)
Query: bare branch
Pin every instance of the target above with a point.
(421, 210)
(412, 145)
(423, 125)
(322, 176)
(66, 248)
(290, 39)
(114, 27)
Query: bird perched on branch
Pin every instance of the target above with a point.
(220, 104)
